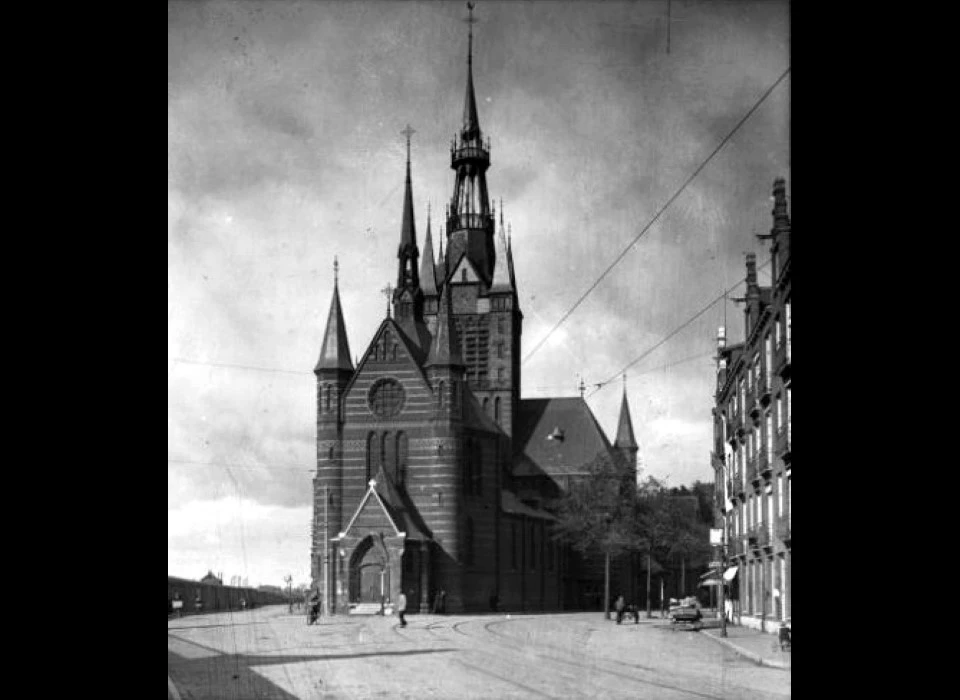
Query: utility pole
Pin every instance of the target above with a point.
(326, 556)
(289, 579)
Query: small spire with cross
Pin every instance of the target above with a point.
(388, 293)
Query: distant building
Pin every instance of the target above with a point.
(752, 437)
(210, 578)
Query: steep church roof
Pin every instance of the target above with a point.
(556, 436)
(335, 351)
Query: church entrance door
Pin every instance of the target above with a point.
(369, 575)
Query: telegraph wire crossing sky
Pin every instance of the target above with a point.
(284, 150)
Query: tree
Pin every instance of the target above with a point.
(598, 512)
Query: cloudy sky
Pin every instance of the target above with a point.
(284, 150)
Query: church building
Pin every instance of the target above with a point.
(433, 473)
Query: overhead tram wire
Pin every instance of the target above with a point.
(658, 214)
(598, 386)
(228, 365)
(246, 467)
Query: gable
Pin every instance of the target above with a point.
(388, 357)
(465, 265)
(371, 514)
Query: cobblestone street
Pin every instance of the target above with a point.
(269, 653)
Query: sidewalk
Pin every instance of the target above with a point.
(757, 646)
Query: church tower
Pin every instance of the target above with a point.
(479, 271)
(334, 370)
(469, 222)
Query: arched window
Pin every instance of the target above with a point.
(330, 453)
(371, 446)
(496, 409)
(468, 543)
(328, 392)
(394, 351)
(441, 388)
(486, 410)
(453, 394)
(385, 448)
(401, 463)
(320, 398)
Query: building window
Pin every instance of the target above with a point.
(486, 402)
(371, 446)
(780, 495)
(330, 453)
(513, 545)
(788, 416)
(778, 336)
(463, 275)
(770, 439)
(401, 464)
(384, 446)
(441, 387)
(499, 325)
(500, 350)
(386, 398)
(788, 334)
(496, 410)
(768, 359)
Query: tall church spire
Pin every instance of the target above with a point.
(626, 443)
(469, 222)
(407, 274)
(335, 351)
(471, 122)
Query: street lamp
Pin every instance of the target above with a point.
(289, 579)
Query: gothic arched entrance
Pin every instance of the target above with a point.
(369, 575)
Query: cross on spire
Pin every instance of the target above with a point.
(336, 270)
(388, 293)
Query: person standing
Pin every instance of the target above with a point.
(619, 605)
(402, 607)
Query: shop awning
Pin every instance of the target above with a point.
(730, 573)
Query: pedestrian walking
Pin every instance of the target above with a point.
(402, 607)
(619, 605)
(177, 603)
(440, 602)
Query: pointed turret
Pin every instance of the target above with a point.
(626, 443)
(445, 348)
(501, 270)
(335, 351)
(407, 274)
(428, 278)
(441, 264)
(513, 279)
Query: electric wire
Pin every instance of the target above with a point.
(657, 215)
